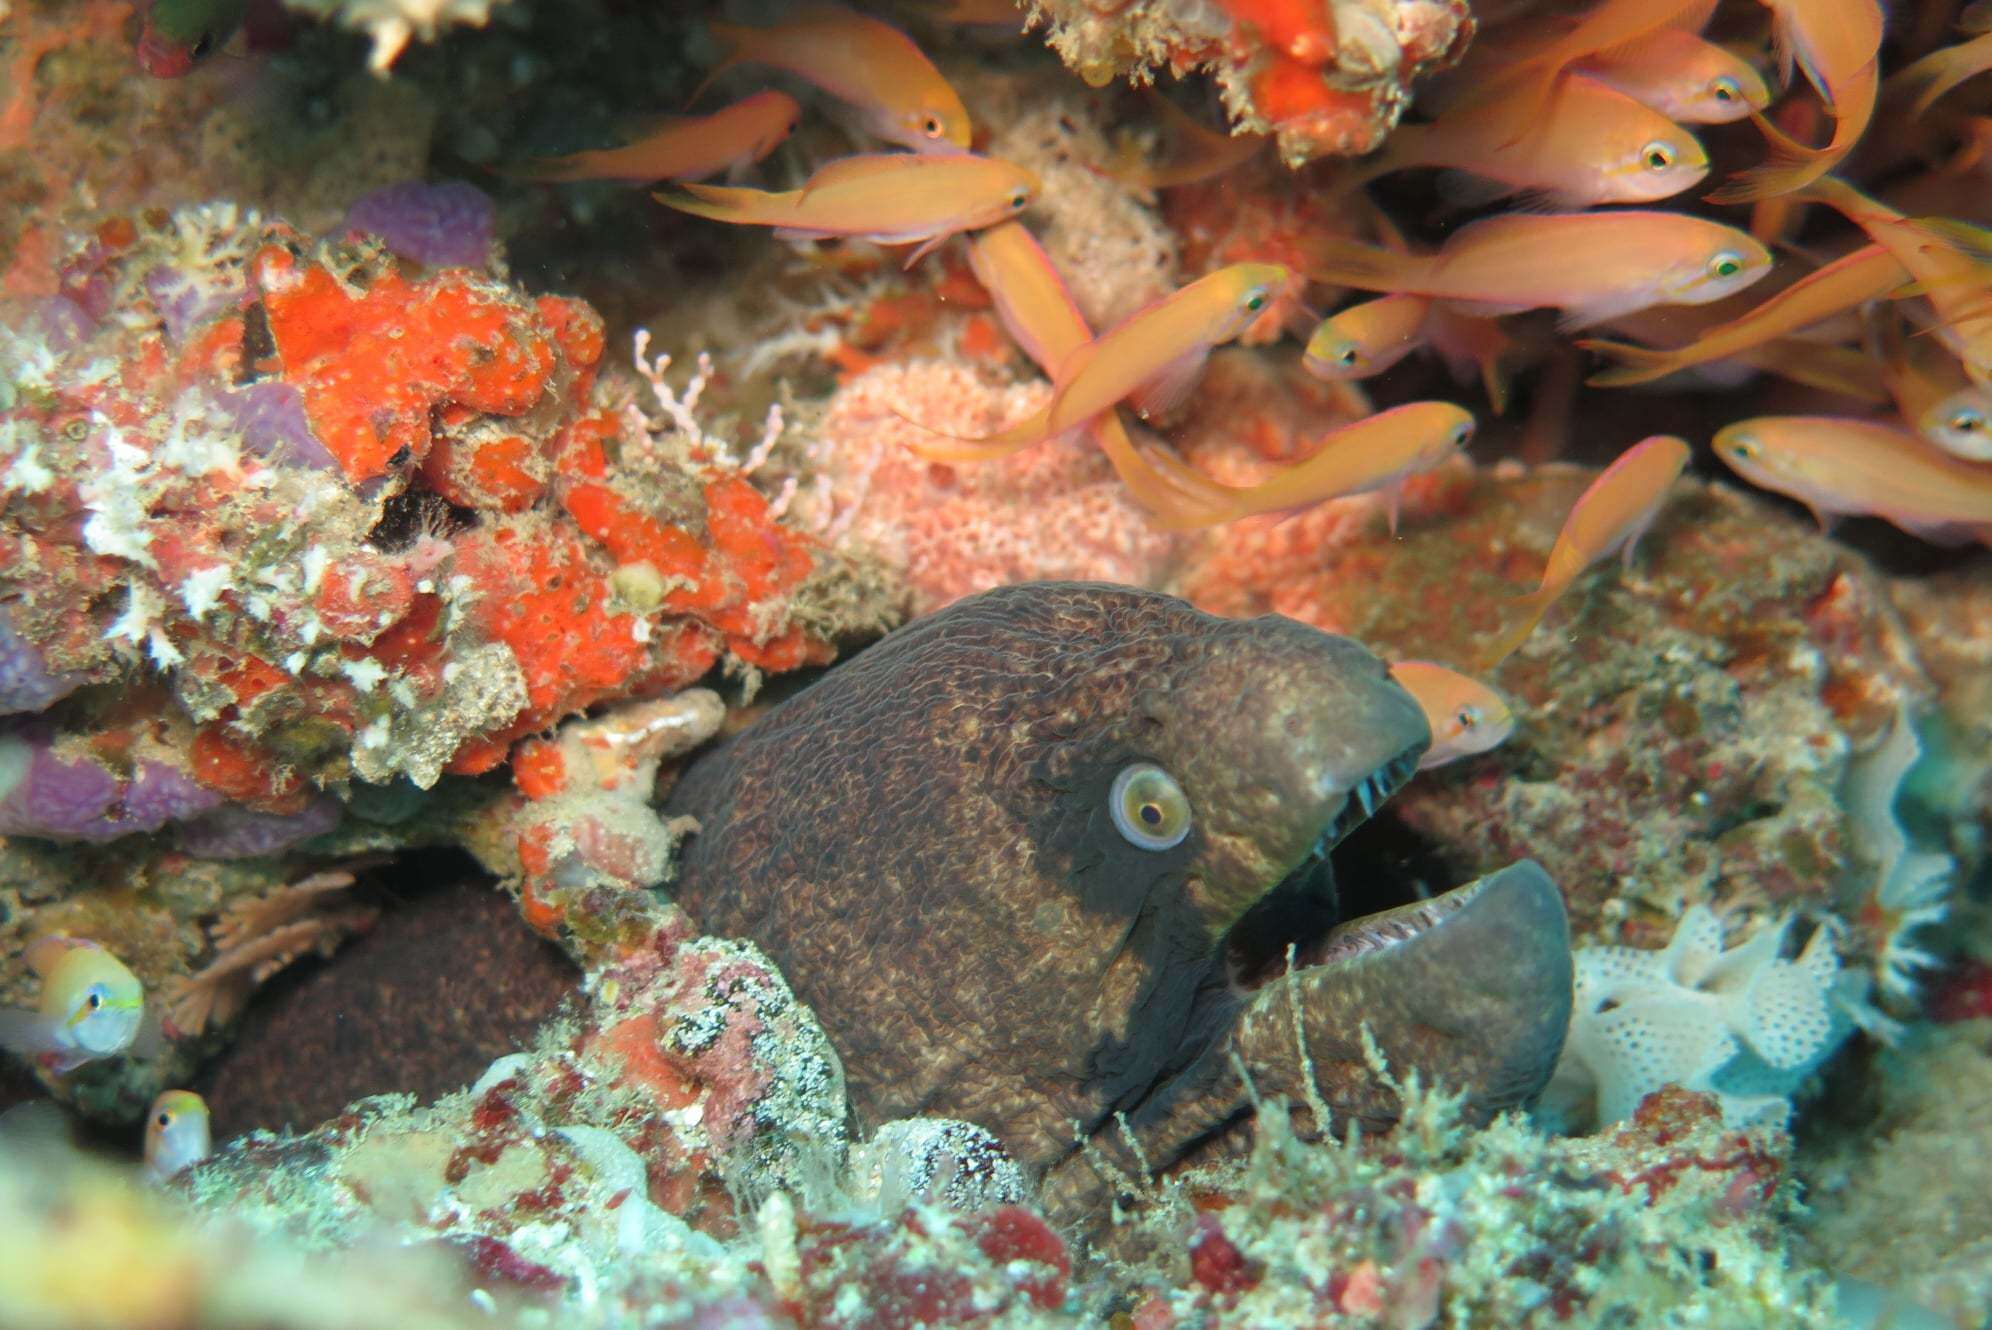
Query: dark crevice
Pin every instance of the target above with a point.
(446, 980)
(1381, 865)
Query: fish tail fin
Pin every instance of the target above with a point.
(1936, 74)
(736, 47)
(1176, 494)
(1536, 604)
(1639, 364)
(951, 447)
(1348, 263)
(1791, 167)
(726, 203)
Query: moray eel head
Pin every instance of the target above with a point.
(1009, 855)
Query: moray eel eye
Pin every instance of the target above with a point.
(1149, 807)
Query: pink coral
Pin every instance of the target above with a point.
(1054, 511)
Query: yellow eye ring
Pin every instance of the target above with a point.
(1149, 808)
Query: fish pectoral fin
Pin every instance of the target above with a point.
(27, 1033)
(926, 247)
(150, 1041)
(1170, 386)
(1620, 304)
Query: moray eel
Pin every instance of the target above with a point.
(1011, 853)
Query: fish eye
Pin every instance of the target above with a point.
(95, 1000)
(1725, 89)
(1348, 356)
(203, 46)
(1726, 264)
(1744, 448)
(165, 1119)
(1966, 422)
(1257, 300)
(1462, 435)
(1020, 200)
(1467, 717)
(1658, 155)
(1149, 808)
(931, 127)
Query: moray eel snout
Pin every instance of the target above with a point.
(1010, 855)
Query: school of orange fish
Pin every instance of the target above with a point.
(1568, 117)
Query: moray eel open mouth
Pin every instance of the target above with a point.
(1364, 798)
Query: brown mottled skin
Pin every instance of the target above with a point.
(922, 842)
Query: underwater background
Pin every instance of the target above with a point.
(1176, 663)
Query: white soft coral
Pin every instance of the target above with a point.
(1745, 1024)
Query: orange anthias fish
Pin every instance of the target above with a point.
(1037, 309)
(1367, 338)
(1839, 467)
(1153, 357)
(857, 59)
(1587, 144)
(91, 1007)
(1608, 26)
(1682, 76)
(1960, 424)
(176, 1135)
(1593, 266)
(1466, 716)
(891, 198)
(683, 147)
(1376, 454)
(1838, 45)
(1867, 274)
(1958, 284)
(1931, 391)
(1611, 514)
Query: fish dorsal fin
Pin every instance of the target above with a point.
(863, 166)
(1170, 386)
(43, 953)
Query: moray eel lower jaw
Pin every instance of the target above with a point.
(1471, 988)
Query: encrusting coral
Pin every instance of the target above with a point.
(1742, 1023)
